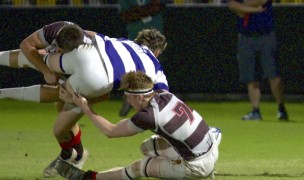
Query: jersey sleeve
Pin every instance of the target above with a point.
(144, 119)
(161, 81)
(131, 125)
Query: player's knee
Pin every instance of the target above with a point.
(166, 168)
(132, 171)
(57, 131)
(60, 131)
(144, 166)
(148, 147)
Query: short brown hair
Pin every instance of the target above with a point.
(70, 37)
(151, 38)
(136, 81)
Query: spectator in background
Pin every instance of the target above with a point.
(139, 15)
(257, 38)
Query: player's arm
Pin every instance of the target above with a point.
(30, 47)
(121, 129)
(139, 12)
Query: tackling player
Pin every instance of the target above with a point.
(184, 146)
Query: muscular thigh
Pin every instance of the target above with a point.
(65, 121)
(157, 146)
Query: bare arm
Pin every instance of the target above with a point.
(30, 48)
(121, 129)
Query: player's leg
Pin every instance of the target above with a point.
(14, 59)
(157, 146)
(148, 167)
(68, 135)
(89, 78)
(35, 93)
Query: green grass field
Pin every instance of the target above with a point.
(268, 149)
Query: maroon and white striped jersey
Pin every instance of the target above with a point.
(172, 119)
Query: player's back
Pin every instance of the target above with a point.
(122, 55)
(182, 126)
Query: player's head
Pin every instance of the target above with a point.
(69, 37)
(153, 39)
(138, 88)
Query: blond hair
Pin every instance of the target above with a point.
(136, 82)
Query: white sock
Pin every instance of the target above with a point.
(127, 173)
(23, 62)
(4, 58)
(31, 93)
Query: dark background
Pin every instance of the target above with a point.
(201, 52)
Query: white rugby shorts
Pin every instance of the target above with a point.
(88, 74)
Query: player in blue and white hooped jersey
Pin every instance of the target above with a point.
(183, 147)
(95, 70)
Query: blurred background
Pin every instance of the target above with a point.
(200, 60)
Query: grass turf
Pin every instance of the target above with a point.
(267, 149)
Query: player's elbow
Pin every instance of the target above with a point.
(109, 135)
(25, 46)
(22, 45)
(112, 134)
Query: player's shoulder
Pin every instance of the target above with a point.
(162, 97)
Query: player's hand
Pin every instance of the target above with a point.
(65, 96)
(80, 100)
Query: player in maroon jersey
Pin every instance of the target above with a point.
(184, 145)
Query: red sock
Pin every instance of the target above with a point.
(68, 144)
(66, 148)
(78, 145)
(94, 174)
